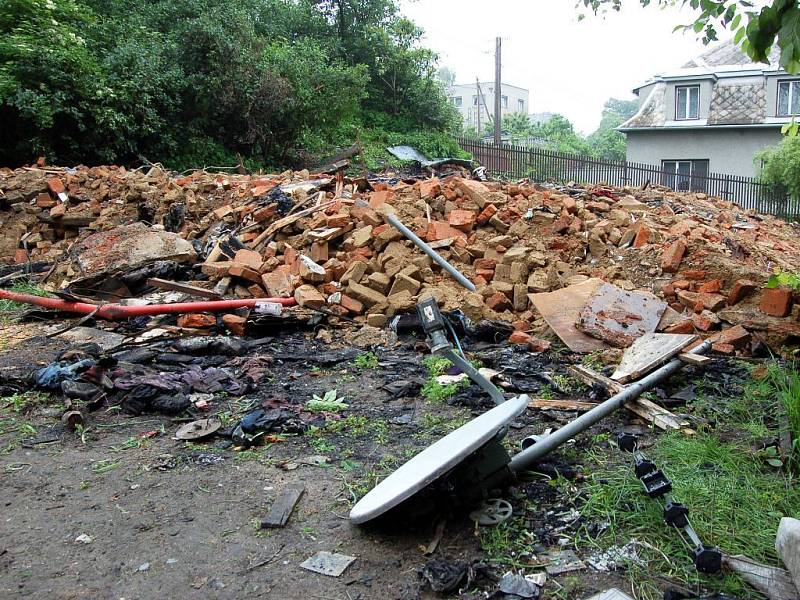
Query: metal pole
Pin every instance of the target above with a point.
(528, 457)
(497, 91)
(395, 222)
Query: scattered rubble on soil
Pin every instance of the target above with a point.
(595, 268)
(105, 231)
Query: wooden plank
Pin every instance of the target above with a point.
(694, 359)
(649, 352)
(282, 508)
(542, 404)
(657, 415)
(174, 286)
(286, 221)
(591, 377)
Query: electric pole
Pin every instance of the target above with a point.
(497, 91)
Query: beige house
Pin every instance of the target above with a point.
(711, 115)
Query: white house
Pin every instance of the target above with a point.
(475, 101)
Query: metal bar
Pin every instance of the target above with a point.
(395, 222)
(528, 457)
(486, 385)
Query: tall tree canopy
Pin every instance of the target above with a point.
(192, 82)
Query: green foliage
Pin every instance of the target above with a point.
(21, 287)
(785, 384)
(327, 403)
(436, 393)
(195, 83)
(606, 142)
(366, 360)
(756, 31)
(780, 165)
(783, 279)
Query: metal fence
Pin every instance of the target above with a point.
(511, 161)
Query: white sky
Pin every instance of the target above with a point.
(570, 67)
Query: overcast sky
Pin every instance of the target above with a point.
(570, 67)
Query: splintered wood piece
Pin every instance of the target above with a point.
(282, 508)
(591, 377)
(542, 404)
(620, 316)
(694, 359)
(561, 310)
(657, 415)
(649, 352)
(285, 222)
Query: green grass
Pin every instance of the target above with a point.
(735, 502)
(366, 360)
(21, 287)
(436, 393)
(354, 426)
(785, 383)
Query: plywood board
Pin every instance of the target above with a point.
(561, 310)
(648, 353)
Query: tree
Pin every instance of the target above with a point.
(446, 75)
(606, 142)
(780, 165)
(517, 124)
(560, 135)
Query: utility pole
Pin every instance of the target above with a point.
(478, 104)
(497, 91)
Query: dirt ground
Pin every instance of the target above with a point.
(179, 520)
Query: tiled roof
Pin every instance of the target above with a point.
(651, 112)
(734, 103)
(727, 54)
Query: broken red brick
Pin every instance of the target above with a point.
(376, 199)
(712, 302)
(463, 220)
(430, 188)
(686, 326)
(712, 286)
(487, 213)
(538, 345)
(235, 324)
(740, 290)
(197, 321)
(672, 256)
(736, 336)
(519, 337)
(351, 304)
(498, 302)
(723, 348)
(776, 302)
(642, 237)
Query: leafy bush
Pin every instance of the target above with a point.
(780, 165)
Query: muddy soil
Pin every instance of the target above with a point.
(176, 520)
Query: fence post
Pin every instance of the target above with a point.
(727, 187)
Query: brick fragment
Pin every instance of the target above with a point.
(235, 324)
(642, 237)
(243, 272)
(278, 284)
(463, 220)
(538, 345)
(248, 258)
(672, 256)
(364, 294)
(311, 271)
(404, 283)
(723, 348)
(741, 290)
(486, 214)
(519, 338)
(474, 190)
(713, 286)
(686, 326)
(736, 336)
(430, 188)
(351, 304)
(712, 302)
(498, 302)
(197, 321)
(776, 302)
(308, 295)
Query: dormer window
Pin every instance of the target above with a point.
(789, 98)
(687, 102)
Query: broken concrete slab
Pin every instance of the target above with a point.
(648, 353)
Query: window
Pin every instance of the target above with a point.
(475, 101)
(504, 101)
(687, 102)
(456, 100)
(685, 175)
(520, 105)
(789, 98)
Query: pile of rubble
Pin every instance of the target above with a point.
(323, 240)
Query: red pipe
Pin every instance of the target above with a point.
(117, 311)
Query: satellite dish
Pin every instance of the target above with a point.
(436, 461)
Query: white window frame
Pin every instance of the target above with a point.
(504, 101)
(794, 89)
(457, 101)
(687, 115)
(521, 105)
(475, 100)
(678, 178)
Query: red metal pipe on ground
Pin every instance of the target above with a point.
(114, 312)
